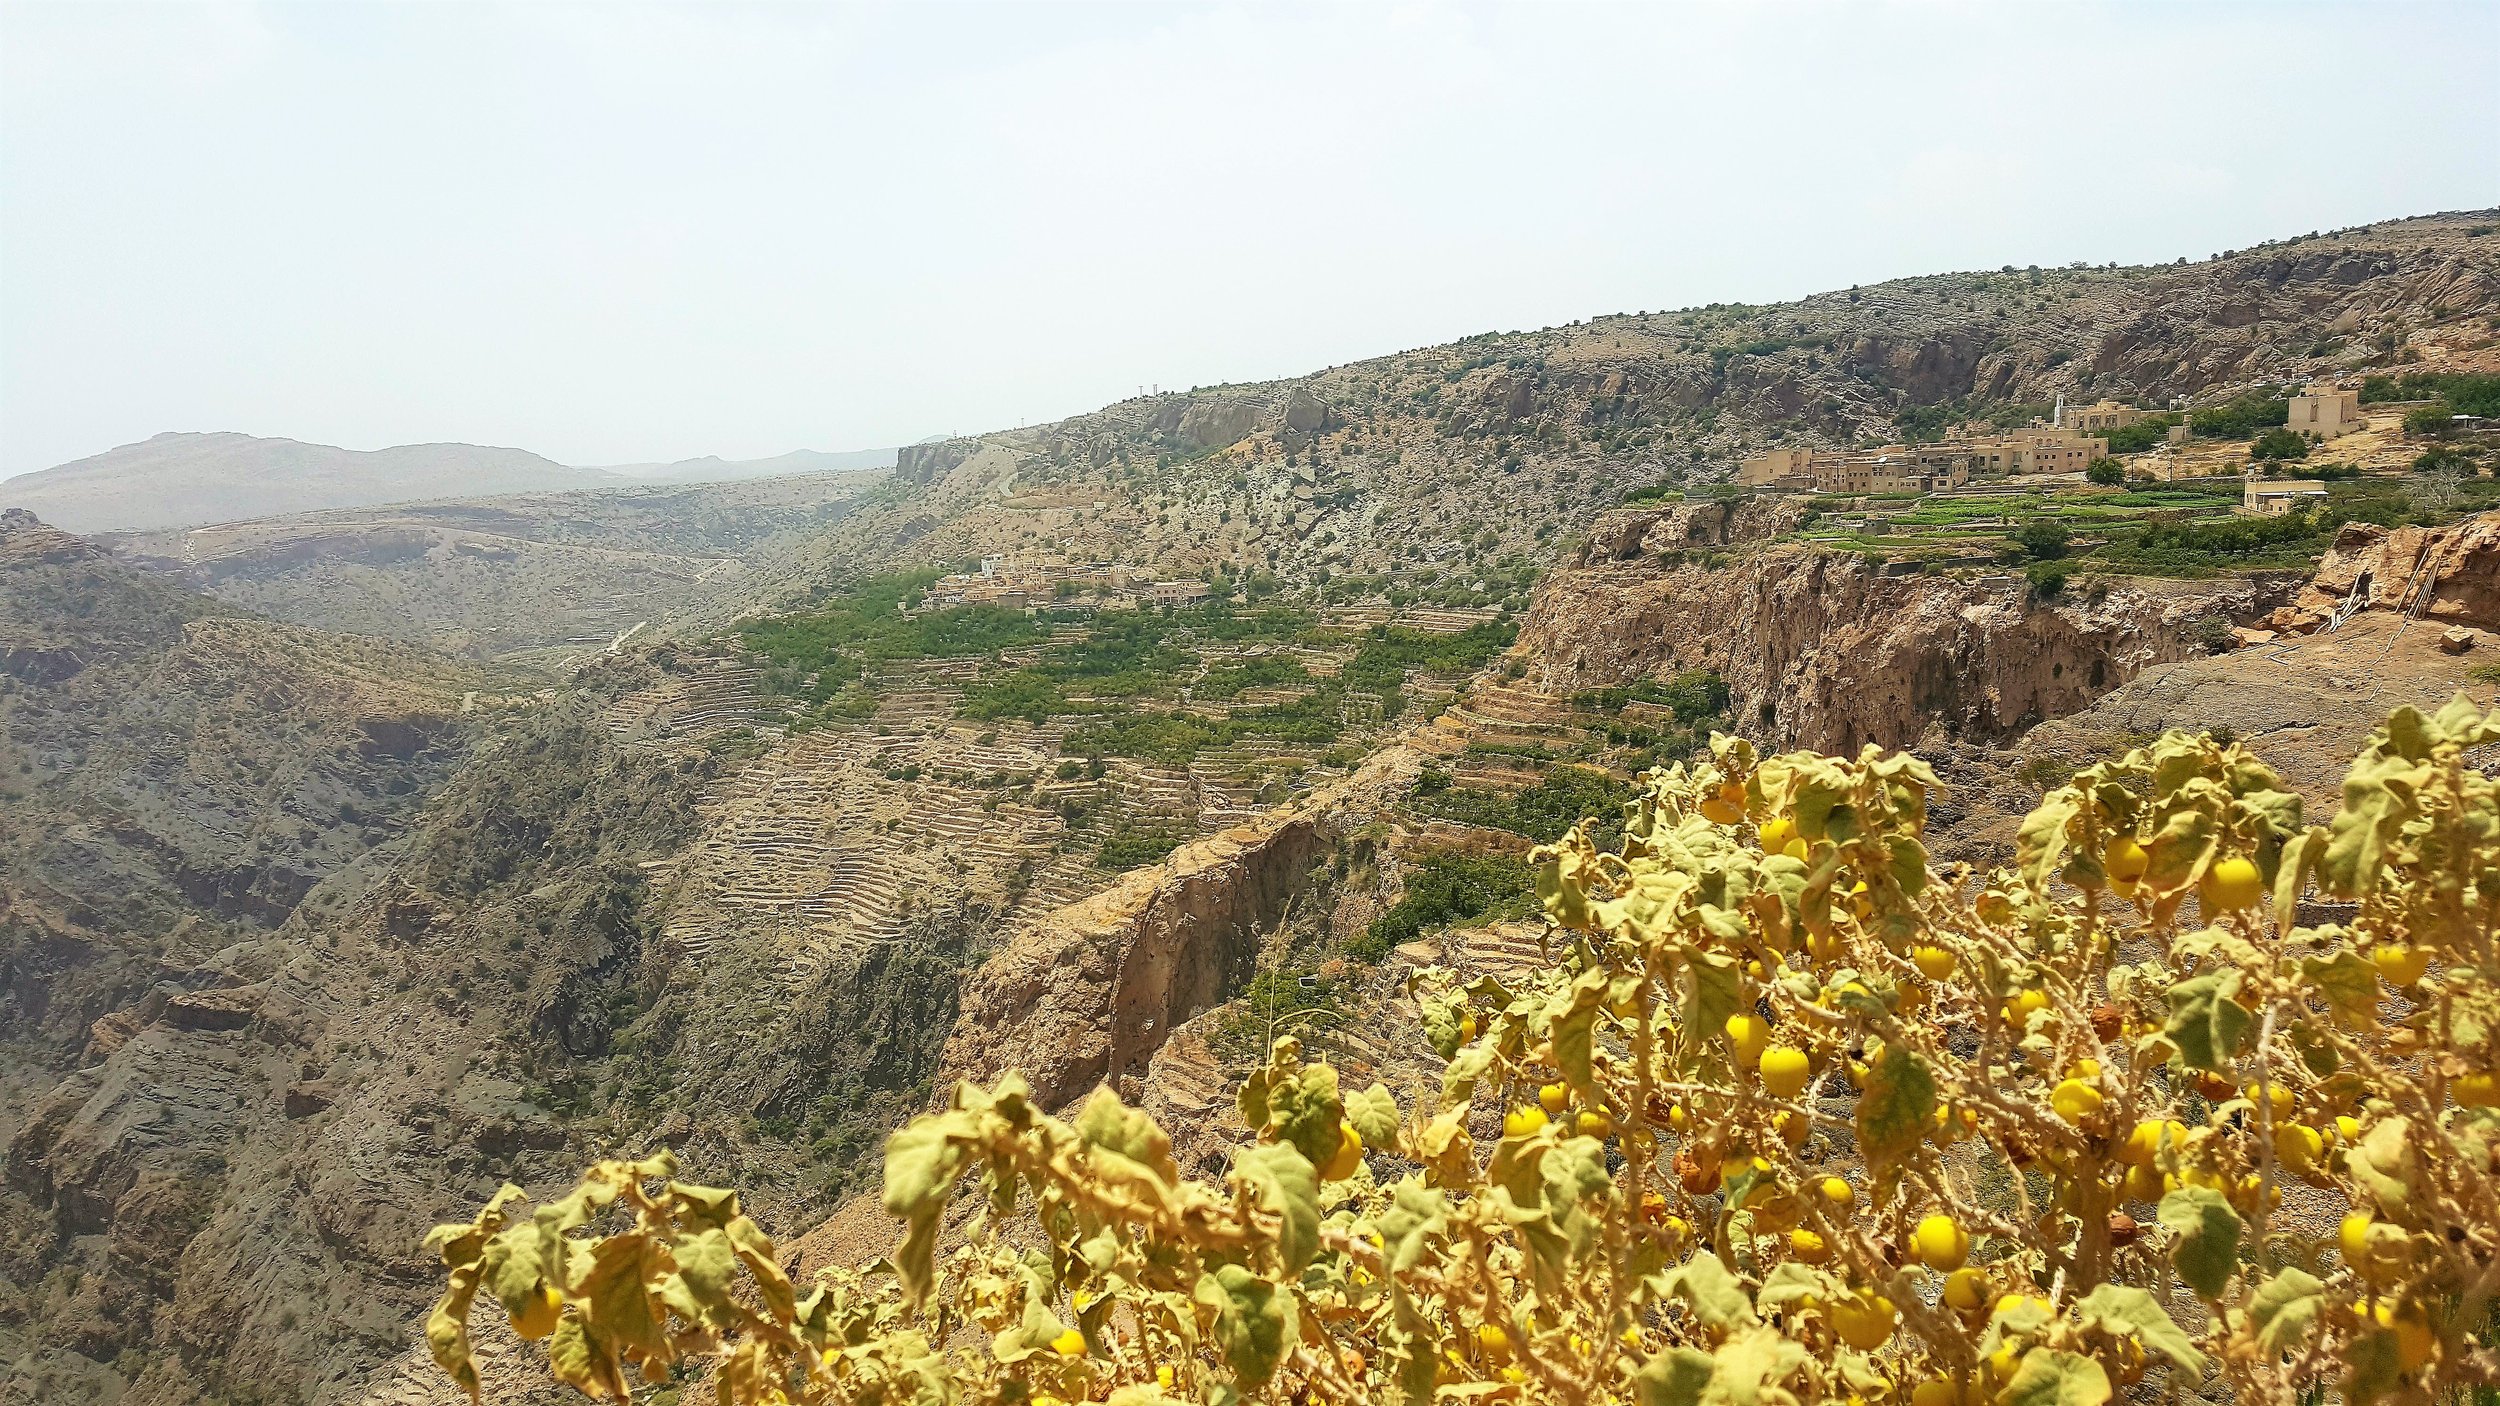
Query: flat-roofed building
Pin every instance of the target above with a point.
(2325, 412)
(2279, 497)
(2100, 417)
(1773, 465)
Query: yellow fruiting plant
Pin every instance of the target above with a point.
(2193, 1097)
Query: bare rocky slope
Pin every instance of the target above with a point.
(1462, 460)
(1832, 651)
(442, 956)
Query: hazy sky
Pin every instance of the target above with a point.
(609, 233)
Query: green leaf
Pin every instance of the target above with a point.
(1288, 1185)
(2209, 1237)
(2125, 1312)
(1750, 1367)
(1675, 1377)
(2285, 1309)
(923, 1159)
(1899, 1106)
(1713, 993)
(1374, 1114)
(1573, 1014)
(1112, 1126)
(1717, 1296)
(1307, 1111)
(2040, 845)
(2348, 983)
(2205, 1023)
(1790, 1282)
(2051, 1378)
(1254, 1322)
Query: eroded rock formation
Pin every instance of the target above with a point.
(1091, 992)
(1831, 651)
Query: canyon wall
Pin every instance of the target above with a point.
(1089, 993)
(1833, 651)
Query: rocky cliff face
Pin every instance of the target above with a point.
(1454, 458)
(1832, 652)
(1090, 993)
(2448, 574)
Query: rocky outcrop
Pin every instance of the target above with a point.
(2450, 574)
(1832, 652)
(1090, 993)
(1629, 533)
(927, 463)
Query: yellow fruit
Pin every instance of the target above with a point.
(1555, 1097)
(1934, 963)
(2477, 1090)
(2003, 1363)
(2026, 1004)
(1720, 812)
(1592, 1123)
(1467, 1027)
(1524, 1121)
(1807, 1246)
(2234, 884)
(1747, 1035)
(2276, 1094)
(2413, 1333)
(1069, 1344)
(1794, 1128)
(1837, 1193)
(1940, 1243)
(1494, 1341)
(2144, 1145)
(2076, 1101)
(2085, 1069)
(1164, 1377)
(1785, 1071)
(1966, 1290)
(2125, 860)
(2347, 1128)
(1349, 1158)
(2400, 965)
(1776, 833)
(1677, 1118)
(2352, 1236)
(1933, 1392)
(1864, 1320)
(537, 1318)
(2298, 1147)
(1678, 1227)
(2144, 1184)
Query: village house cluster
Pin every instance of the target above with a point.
(1030, 585)
(2066, 444)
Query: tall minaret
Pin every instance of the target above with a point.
(2057, 417)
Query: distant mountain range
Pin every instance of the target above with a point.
(185, 480)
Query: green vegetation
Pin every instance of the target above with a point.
(1543, 812)
(2240, 418)
(2466, 395)
(2279, 444)
(1442, 889)
(2143, 434)
(1130, 845)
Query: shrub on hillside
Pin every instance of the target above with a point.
(2279, 445)
(1794, 1117)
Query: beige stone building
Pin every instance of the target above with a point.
(2277, 497)
(2326, 412)
(2101, 418)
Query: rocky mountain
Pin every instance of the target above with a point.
(180, 480)
(310, 939)
(1455, 461)
(711, 468)
(543, 578)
